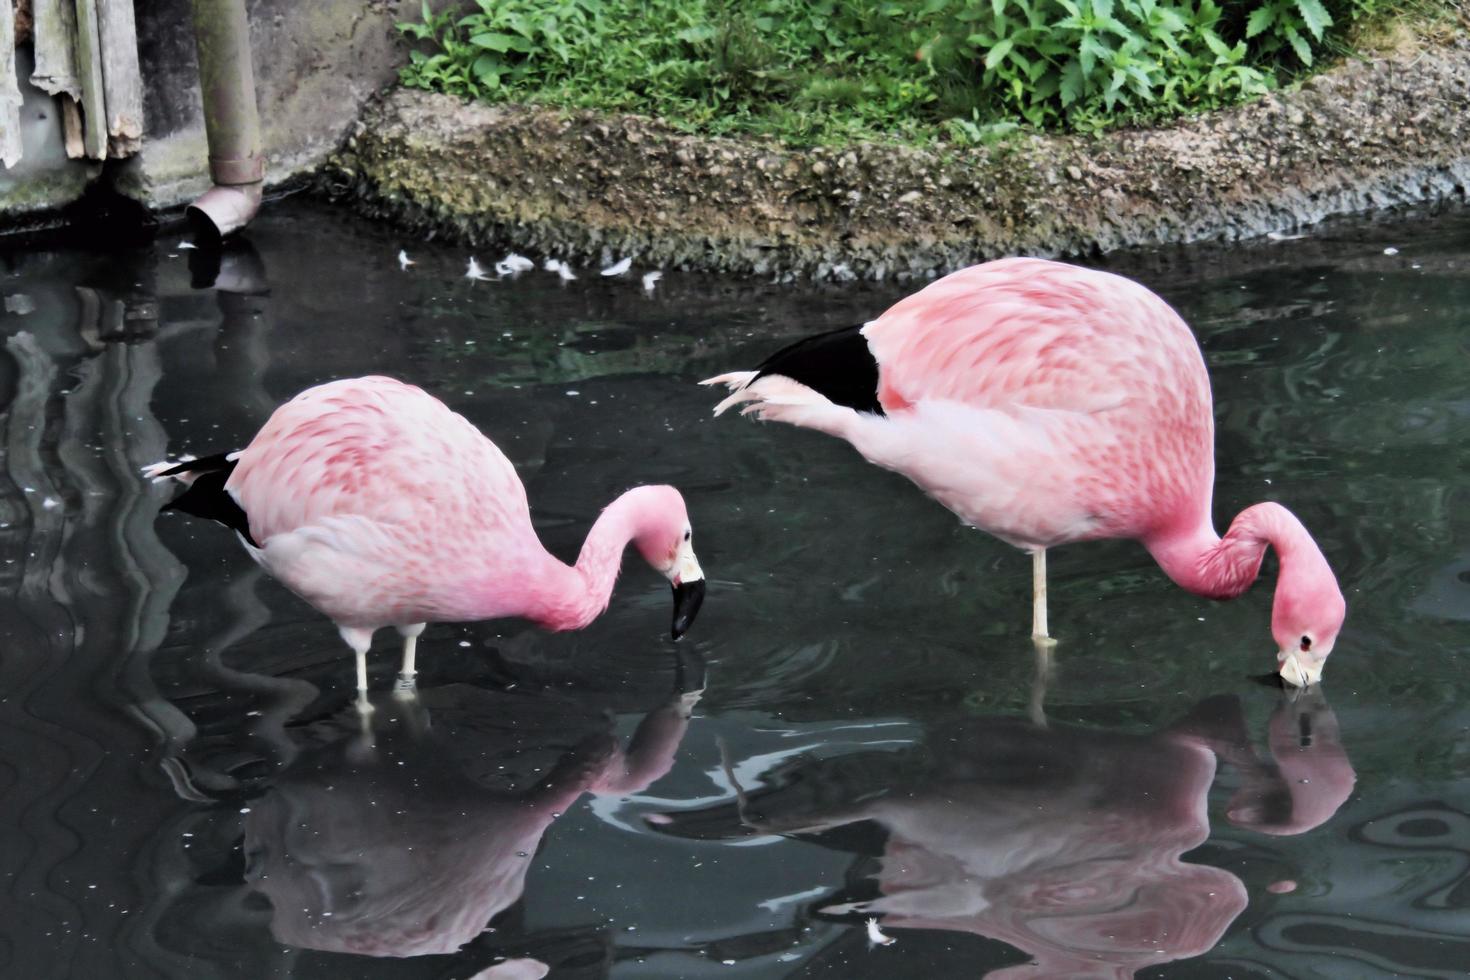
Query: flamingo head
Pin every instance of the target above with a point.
(665, 539)
(1305, 619)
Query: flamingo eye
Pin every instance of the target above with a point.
(688, 535)
(1306, 643)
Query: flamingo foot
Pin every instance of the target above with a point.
(1041, 679)
(363, 747)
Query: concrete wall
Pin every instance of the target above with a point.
(316, 61)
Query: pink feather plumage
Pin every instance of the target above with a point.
(379, 506)
(1048, 404)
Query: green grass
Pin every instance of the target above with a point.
(828, 71)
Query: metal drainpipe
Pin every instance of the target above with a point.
(231, 120)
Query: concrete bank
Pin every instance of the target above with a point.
(1391, 131)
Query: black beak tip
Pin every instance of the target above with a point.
(688, 597)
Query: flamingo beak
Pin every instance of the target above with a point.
(688, 597)
(1298, 672)
(688, 581)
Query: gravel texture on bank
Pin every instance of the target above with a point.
(1368, 135)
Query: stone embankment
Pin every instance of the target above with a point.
(1368, 135)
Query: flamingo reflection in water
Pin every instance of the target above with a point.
(397, 841)
(1062, 842)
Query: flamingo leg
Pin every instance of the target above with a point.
(407, 673)
(360, 640)
(1040, 638)
(410, 648)
(1038, 595)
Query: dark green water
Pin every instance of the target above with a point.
(186, 792)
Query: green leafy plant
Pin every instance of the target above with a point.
(1288, 23)
(966, 71)
(1080, 63)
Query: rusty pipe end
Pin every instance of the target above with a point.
(223, 210)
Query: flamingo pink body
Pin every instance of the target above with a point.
(380, 506)
(1047, 404)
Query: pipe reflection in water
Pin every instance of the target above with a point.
(394, 842)
(231, 354)
(1063, 842)
(84, 593)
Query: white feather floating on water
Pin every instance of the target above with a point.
(619, 267)
(20, 304)
(1277, 236)
(512, 264)
(560, 268)
(474, 271)
(184, 245)
(403, 260)
(876, 936)
(649, 278)
(1390, 251)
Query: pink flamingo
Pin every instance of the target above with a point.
(1048, 404)
(379, 506)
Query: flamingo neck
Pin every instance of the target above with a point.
(1206, 564)
(568, 597)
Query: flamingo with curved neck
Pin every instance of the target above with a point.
(379, 506)
(568, 597)
(1047, 404)
(1222, 568)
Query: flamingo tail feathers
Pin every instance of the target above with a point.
(186, 469)
(837, 366)
(205, 495)
(773, 390)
